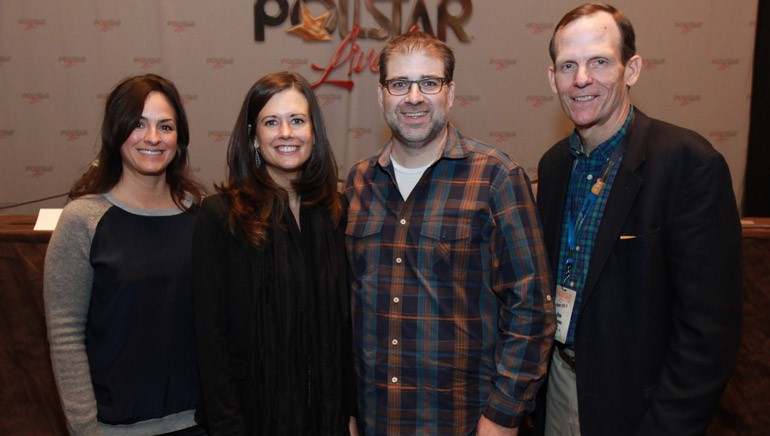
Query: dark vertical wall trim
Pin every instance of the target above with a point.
(756, 199)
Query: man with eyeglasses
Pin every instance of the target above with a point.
(452, 314)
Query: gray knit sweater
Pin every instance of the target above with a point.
(68, 284)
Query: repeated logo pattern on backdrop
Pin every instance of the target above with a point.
(58, 63)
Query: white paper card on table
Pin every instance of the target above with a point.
(47, 219)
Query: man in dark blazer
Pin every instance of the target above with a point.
(643, 233)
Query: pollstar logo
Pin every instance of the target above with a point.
(73, 135)
(6, 133)
(146, 62)
(539, 100)
(725, 63)
(340, 16)
(328, 99)
(71, 61)
(292, 64)
(502, 64)
(106, 25)
(219, 135)
(38, 170)
(180, 26)
(220, 63)
(359, 132)
(687, 27)
(686, 100)
(652, 63)
(31, 23)
(466, 100)
(350, 57)
(538, 28)
(35, 97)
(500, 137)
(188, 98)
(723, 135)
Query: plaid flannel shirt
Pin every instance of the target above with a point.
(451, 292)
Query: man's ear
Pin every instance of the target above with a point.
(552, 79)
(380, 96)
(450, 94)
(632, 70)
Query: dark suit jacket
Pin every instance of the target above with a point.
(659, 324)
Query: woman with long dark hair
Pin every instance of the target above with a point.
(270, 274)
(118, 290)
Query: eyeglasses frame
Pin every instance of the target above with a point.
(442, 80)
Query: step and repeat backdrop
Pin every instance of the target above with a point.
(59, 59)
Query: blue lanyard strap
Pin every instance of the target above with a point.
(576, 223)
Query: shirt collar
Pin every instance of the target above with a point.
(453, 149)
(576, 144)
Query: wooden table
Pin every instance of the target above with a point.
(29, 402)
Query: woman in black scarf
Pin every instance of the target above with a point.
(270, 275)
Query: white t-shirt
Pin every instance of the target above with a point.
(407, 178)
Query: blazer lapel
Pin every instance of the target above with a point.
(624, 189)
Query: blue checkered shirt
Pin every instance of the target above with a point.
(584, 173)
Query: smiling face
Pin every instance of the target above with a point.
(416, 120)
(285, 135)
(152, 145)
(589, 77)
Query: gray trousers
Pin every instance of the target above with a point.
(561, 407)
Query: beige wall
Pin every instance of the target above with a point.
(58, 59)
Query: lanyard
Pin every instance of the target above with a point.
(576, 223)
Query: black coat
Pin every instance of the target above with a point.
(659, 324)
(224, 287)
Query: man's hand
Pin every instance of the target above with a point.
(489, 428)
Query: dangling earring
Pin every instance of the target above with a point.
(257, 160)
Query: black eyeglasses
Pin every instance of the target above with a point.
(431, 85)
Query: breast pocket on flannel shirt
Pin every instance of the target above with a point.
(449, 246)
(363, 238)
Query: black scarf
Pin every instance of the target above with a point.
(301, 310)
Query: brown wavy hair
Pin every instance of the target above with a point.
(257, 202)
(417, 42)
(122, 110)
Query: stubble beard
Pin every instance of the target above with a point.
(417, 140)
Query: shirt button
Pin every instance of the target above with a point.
(394, 342)
(396, 300)
(571, 284)
(394, 379)
(403, 221)
(590, 177)
(398, 260)
(548, 298)
(577, 248)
